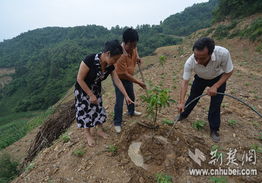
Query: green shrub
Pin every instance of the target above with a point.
(8, 168)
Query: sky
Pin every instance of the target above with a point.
(18, 16)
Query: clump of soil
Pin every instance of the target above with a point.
(161, 154)
(153, 151)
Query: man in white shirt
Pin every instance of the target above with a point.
(212, 66)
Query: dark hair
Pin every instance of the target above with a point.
(207, 42)
(113, 47)
(130, 35)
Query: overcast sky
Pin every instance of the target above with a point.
(17, 16)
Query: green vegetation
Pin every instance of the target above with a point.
(162, 178)
(30, 167)
(162, 60)
(219, 179)
(15, 126)
(112, 149)
(199, 124)
(79, 152)
(65, 138)
(254, 31)
(236, 9)
(216, 148)
(222, 31)
(156, 99)
(257, 148)
(232, 122)
(8, 168)
(168, 122)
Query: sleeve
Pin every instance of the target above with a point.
(89, 60)
(121, 65)
(187, 69)
(227, 64)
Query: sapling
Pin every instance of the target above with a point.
(157, 99)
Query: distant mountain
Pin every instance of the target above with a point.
(191, 19)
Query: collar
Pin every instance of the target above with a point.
(124, 50)
(97, 58)
(213, 58)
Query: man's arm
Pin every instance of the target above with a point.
(122, 72)
(227, 67)
(183, 90)
(184, 84)
(212, 91)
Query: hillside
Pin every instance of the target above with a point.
(74, 161)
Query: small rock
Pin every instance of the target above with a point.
(141, 180)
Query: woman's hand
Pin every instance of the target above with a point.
(128, 100)
(93, 99)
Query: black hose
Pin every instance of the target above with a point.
(219, 93)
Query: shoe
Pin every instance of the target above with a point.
(136, 113)
(215, 136)
(118, 129)
(179, 117)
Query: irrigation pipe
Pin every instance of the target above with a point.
(219, 93)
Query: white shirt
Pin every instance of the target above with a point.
(220, 62)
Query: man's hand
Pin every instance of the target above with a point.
(212, 91)
(93, 99)
(142, 85)
(139, 61)
(181, 107)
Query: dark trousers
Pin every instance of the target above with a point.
(197, 89)
(118, 110)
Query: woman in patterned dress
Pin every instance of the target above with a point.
(88, 99)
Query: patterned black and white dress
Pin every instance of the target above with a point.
(87, 114)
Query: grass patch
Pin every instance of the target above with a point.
(168, 122)
(79, 152)
(199, 124)
(162, 178)
(65, 138)
(232, 122)
(257, 148)
(218, 179)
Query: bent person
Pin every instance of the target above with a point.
(93, 70)
(125, 68)
(212, 66)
